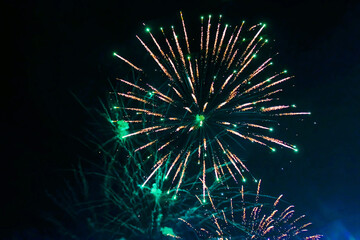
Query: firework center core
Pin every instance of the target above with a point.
(199, 120)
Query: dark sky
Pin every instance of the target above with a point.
(58, 49)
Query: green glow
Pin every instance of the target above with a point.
(273, 149)
(116, 107)
(261, 38)
(249, 82)
(148, 29)
(210, 16)
(202, 17)
(114, 53)
(166, 231)
(235, 125)
(204, 200)
(271, 129)
(161, 28)
(188, 57)
(254, 56)
(243, 21)
(200, 119)
(162, 119)
(244, 179)
(166, 177)
(266, 40)
(220, 15)
(255, 180)
(293, 105)
(271, 63)
(218, 179)
(174, 197)
(262, 108)
(243, 39)
(122, 125)
(226, 25)
(151, 94)
(156, 191)
(205, 155)
(122, 128)
(296, 150)
(285, 71)
(264, 25)
(234, 71)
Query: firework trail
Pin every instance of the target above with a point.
(233, 216)
(109, 202)
(204, 96)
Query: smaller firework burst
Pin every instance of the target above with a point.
(233, 216)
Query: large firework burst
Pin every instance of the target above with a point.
(200, 101)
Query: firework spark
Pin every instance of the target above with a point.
(202, 100)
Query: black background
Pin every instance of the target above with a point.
(57, 49)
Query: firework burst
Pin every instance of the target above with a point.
(205, 95)
(234, 216)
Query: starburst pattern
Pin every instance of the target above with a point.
(234, 216)
(202, 100)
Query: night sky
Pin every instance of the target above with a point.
(57, 50)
